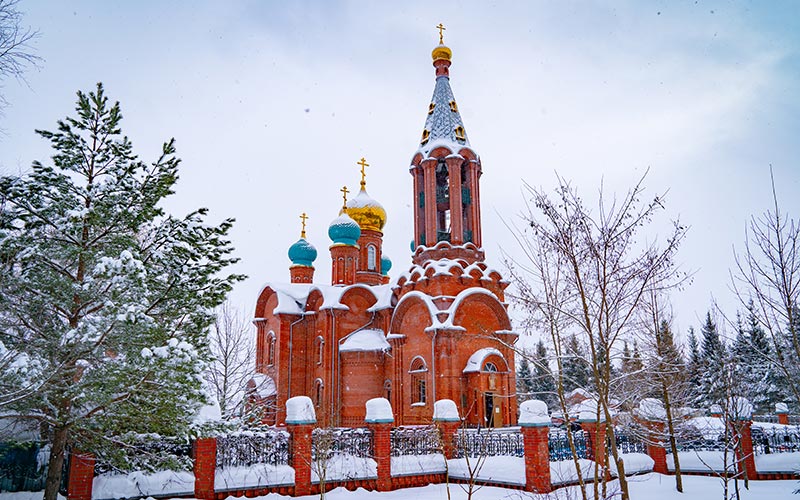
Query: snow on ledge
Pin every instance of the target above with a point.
(445, 410)
(651, 409)
(365, 340)
(781, 408)
(300, 410)
(475, 362)
(379, 411)
(533, 413)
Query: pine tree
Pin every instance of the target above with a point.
(693, 367)
(577, 373)
(713, 358)
(104, 299)
(524, 378)
(543, 384)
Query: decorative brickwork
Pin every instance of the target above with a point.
(300, 458)
(537, 459)
(81, 476)
(205, 463)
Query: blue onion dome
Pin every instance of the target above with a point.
(344, 230)
(413, 245)
(386, 264)
(302, 253)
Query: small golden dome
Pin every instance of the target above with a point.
(442, 52)
(369, 214)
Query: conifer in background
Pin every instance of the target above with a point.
(713, 357)
(105, 300)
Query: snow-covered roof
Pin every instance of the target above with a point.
(443, 318)
(449, 267)
(365, 340)
(475, 362)
(292, 297)
(443, 120)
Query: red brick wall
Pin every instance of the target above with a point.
(81, 476)
(205, 462)
(537, 459)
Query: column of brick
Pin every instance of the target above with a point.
(745, 458)
(205, 464)
(81, 476)
(447, 434)
(301, 457)
(782, 410)
(597, 440)
(382, 452)
(537, 458)
(655, 446)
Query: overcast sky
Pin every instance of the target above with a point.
(273, 103)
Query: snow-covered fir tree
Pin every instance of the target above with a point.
(712, 362)
(524, 378)
(576, 365)
(543, 384)
(105, 300)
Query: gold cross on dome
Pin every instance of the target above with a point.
(344, 191)
(441, 33)
(363, 164)
(303, 217)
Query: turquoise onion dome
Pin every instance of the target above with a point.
(302, 253)
(344, 230)
(386, 265)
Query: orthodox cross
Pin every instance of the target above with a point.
(344, 191)
(363, 164)
(303, 216)
(441, 33)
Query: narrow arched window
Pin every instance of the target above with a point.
(418, 372)
(387, 389)
(320, 344)
(490, 367)
(318, 388)
(271, 348)
(372, 258)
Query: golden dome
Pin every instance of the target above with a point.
(442, 52)
(369, 214)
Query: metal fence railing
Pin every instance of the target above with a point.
(421, 440)
(23, 466)
(250, 448)
(629, 443)
(773, 419)
(341, 441)
(766, 441)
(558, 445)
(485, 442)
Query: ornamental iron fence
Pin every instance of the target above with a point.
(341, 441)
(486, 443)
(418, 440)
(249, 448)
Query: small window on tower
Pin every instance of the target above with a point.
(425, 135)
(418, 372)
(372, 258)
(271, 348)
(430, 108)
(453, 107)
(460, 135)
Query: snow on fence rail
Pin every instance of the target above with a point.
(417, 440)
(249, 448)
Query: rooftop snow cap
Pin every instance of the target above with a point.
(302, 253)
(445, 410)
(344, 231)
(533, 413)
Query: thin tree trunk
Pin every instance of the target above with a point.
(673, 443)
(56, 463)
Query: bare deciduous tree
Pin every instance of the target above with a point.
(768, 273)
(233, 354)
(16, 52)
(605, 272)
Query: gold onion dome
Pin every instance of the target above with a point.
(442, 52)
(368, 213)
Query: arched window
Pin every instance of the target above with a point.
(460, 134)
(418, 371)
(320, 344)
(387, 389)
(490, 367)
(271, 348)
(372, 258)
(318, 388)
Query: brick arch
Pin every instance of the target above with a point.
(358, 299)
(414, 304)
(479, 309)
(314, 300)
(262, 311)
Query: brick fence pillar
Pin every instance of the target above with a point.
(81, 476)
(535, 424)
(205, 464)
(782, 410)
(379, 420)
(300, 421)
(656, 447)
(745, 458)
(447, 421)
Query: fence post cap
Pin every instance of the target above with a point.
(533, 413)
(379, 411)
(300, 410)
(651, 410)
(781, 408)
(445, 410)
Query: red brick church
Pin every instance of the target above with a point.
(440, 330)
